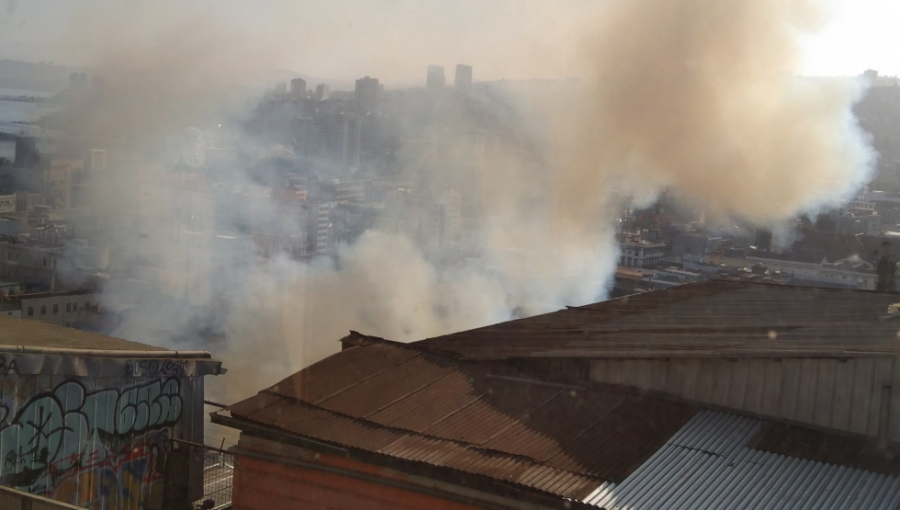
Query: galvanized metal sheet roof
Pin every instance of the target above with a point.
(710, 318)
(432, 409)
(708, 464)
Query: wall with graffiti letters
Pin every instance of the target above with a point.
(98, 443)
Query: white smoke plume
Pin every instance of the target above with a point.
(694, 96)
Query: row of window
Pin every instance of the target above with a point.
(70, 307)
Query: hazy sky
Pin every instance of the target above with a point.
(395, 39)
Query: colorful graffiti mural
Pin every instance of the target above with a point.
(103, 449)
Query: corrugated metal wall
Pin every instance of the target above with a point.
(98, 442)
(840, 394)
(708, 465)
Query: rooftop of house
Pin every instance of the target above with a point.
(714, 318)
(428, 413)
(26, 334)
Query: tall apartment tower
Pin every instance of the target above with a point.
(322, 92)
(463, 80)
(298, 87)
(436, 79)
(366, 95)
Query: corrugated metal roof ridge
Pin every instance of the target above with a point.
(443, 452)
(698, 289)
(707, 464)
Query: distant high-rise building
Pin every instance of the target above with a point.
(436, 79)
(78, 81)
(281, 88)
(322, 92)
(366, 96)
(298, 87)
(98, 159)
(463, 79)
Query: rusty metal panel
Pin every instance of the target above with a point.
(806, 396)
(710, 319)
(862, 395)
(676, 376)
(332, 375)
(85, 440)
(623, 439)
(825, 392)
(705, 380)
(881, 376)
(690, 378)
(740, 373)
(843, 394)
(539, 436)
(660, 374)
(772, 389)
(561, 440)
(496, 410)
(723, 371)
(791, 386)
(387, 387)
(756, 381)
(434, 403)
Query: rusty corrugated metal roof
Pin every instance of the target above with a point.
(423, 407)
(715, 318)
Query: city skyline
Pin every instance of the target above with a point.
(857, 36)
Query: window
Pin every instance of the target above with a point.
(43, 310)
(30, 311)
(55, 308)
(74, 307)
(68, 307)
(87, 304)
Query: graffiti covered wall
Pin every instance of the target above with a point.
(98, 443)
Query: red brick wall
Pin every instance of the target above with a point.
(269, 485)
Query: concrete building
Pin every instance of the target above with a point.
(435, 79)
(90, 420)
(33, 262)
(8, 203)
(366, 95)
(98, 160)
(850, 273)
(641, 253)
(322, 92)
(324, 229)
(695, 243)
(60, 308)
(463, 78)
(298, 88)
(710, 395)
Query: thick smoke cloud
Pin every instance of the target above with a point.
(694, 96)
(698, 96)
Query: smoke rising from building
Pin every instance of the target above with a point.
(694, 96)
(699, 96)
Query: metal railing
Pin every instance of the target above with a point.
(218, 480)
(11, 499)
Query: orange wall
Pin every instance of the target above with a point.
(269, 485)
